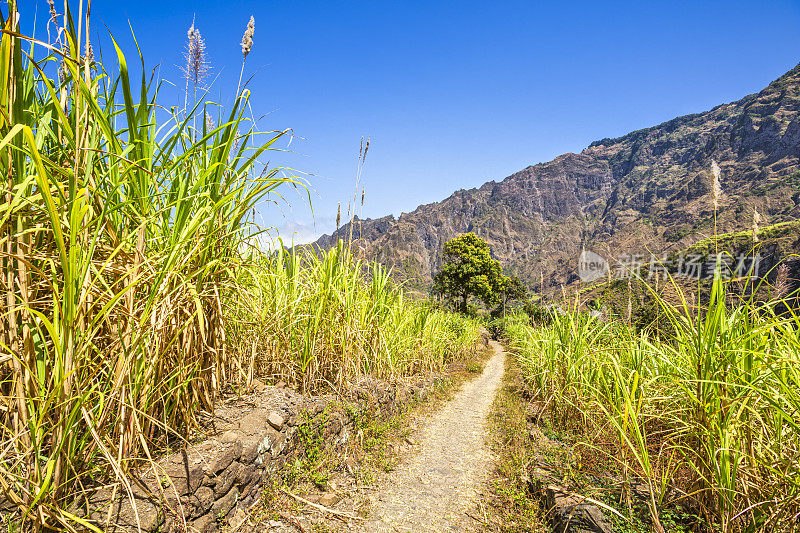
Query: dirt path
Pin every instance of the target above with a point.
(434, 489)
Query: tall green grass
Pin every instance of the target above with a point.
(127, 303)
(710, 413)
(120, 222)
(322, 317)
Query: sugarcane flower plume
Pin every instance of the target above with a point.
(756, 221)
(53, 13)
(716, 188)
(247, 38)
(782, 281)
(196, 62)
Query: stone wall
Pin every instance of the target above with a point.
(208, 486)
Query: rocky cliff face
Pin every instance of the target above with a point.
(648, 191)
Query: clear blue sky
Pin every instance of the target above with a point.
(456, 93)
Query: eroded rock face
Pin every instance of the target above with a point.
(648, 190)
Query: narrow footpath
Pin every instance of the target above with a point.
(435, 489)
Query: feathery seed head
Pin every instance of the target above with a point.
(716, 188)
(247, 38)
(756, 221)
(209, 123)
(196, 62)
(782, 281)
(339, 215)
(363, 191)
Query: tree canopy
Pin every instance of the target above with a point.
(512, 288)
(469, 270)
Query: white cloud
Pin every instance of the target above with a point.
(299, 232)
(294, 232)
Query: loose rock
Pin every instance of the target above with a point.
(276, 420)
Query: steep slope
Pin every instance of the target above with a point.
(646, 191)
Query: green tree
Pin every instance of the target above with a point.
(512, 288)
(468, 270)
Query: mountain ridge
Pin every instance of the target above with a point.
(647, 190)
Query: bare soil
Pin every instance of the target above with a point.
(436, 488)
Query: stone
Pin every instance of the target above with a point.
(570, 512)
(277, 445)
(246, 502)
(253, 422)
(244, 475)
(281, 384)
(225, 458)
(229, 437)
(251, 488)
(204, 498)
(257, 385)
(250, 452)
(148, 514)
(185, 484)
(239, 518)
(223, 506)
(204, 524)
(329, 499)
(226, 479)
(276, 420)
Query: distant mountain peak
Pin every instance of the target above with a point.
(646, 191)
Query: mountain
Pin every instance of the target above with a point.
(648, 191)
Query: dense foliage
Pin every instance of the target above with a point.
(708, 417)
(325, 317)
(468, 270)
